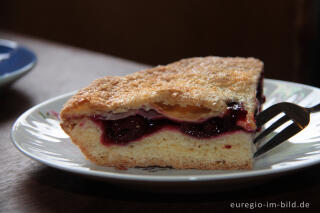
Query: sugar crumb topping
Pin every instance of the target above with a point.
(208, 82)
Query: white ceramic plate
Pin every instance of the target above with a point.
(38, 135)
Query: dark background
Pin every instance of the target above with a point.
(282, 33)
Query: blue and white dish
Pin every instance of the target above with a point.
(15, 61)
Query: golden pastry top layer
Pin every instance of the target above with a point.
(190, 88)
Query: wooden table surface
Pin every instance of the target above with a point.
(29, 186)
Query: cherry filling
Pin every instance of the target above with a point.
(215, 125)
(260, 97)
(134, 127)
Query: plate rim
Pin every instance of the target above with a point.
(153, 178)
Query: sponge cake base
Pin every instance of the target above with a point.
(165, 148)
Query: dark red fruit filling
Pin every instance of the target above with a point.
(260, 97)
(215, 125)
(134, 127)
(126, 129)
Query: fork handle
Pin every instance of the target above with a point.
(315, 108)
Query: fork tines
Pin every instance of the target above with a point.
(298, 115)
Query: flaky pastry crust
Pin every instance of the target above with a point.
(207, 83)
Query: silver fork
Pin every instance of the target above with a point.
(299, 115)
